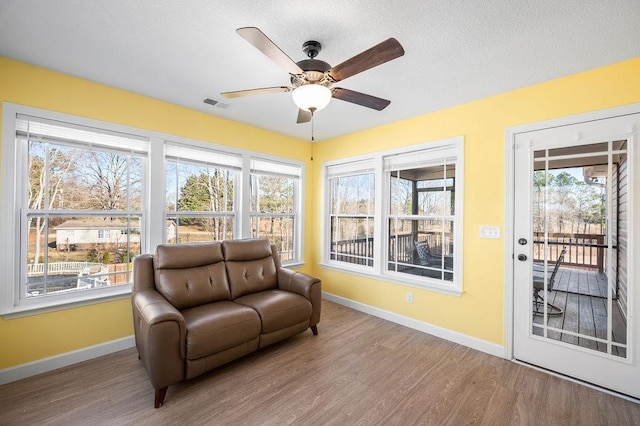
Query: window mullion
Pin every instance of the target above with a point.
(380, 227)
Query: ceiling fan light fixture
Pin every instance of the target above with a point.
(311, 97)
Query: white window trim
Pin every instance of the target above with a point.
(234, 164)
(346, 168)
(153, 201)
(381, 228)
(298, 215)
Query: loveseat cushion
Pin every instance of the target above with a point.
(218, 326)
(250, 266)
(189, 275)
(278, 309)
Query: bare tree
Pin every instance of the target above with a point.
(111, 177)
(49, 169)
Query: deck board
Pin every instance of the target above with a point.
(581, 294)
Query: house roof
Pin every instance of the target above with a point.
(457, 51)
(92, 224)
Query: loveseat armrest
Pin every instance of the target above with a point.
(160, 333)
(304, 285)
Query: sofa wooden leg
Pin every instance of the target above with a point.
(314, 330)
(160, 393)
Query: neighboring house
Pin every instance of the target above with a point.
(79, 233)
(85, 233)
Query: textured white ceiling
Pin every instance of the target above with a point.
(183, 51)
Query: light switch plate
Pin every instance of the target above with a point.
(490, 232)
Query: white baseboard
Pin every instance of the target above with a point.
(434, 330)
(52, 363)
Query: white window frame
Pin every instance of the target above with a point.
(356, 166)
(153, 200)
(204, 156)
(12, 301)
(265, 165)
(379, 270)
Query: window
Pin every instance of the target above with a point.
(351, 213)
(200, 194)
(80, 198)
(416, 237)
(275, 189)
(421, 213)
(77, 183)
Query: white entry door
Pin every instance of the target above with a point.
(576, 250)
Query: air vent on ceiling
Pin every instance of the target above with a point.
(216, 103)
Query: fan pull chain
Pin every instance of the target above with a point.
(312, 110)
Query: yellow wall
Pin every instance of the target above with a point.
(34, 337)
(479, 311)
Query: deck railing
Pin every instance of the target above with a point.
(37, 269)
(360, 250)
(583, 250)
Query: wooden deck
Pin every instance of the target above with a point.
(581, 294)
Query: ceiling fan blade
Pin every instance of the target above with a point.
(251, 92)
(303, 116)
(261, 42)
(377, 55)
(360, 99)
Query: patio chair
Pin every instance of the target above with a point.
(425, 258)
(538, 287)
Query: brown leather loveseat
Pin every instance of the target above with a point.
(200, 305)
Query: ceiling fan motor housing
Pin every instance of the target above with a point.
(315, 70)
(311, 48)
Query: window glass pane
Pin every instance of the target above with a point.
(352, 240)
(171, 188)
(422, 247)
(436, 203)
(189, 229)
(279, 230)
(353, 194)
(273, 194)
(79, 178)
(71, 253)
(422, 191)
(402, 195)
(421, 210)
(200, 202)
(352, 222)
(205, 189)
(273, 209)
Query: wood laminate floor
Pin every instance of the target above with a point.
(360, 370)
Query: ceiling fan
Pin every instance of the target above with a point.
(312, 79)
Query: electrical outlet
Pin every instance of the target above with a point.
(409, 297)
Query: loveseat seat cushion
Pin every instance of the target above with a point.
(250, 266)
(189, 275)
(218, 326)
(278, 309)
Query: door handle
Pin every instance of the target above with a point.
(522, 257)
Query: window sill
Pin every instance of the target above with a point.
(46, 306)
(396, 279)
